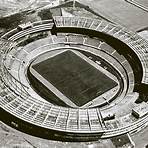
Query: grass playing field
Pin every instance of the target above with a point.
(74, 77)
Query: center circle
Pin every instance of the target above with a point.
(73, 77)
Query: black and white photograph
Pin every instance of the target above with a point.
(73, 73)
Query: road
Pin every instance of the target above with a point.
(120, 11)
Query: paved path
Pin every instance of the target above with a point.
(141, 138)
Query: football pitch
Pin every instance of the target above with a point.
(74, 77)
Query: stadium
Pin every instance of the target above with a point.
(74, 79)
